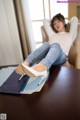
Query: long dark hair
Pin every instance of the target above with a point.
(60, 17)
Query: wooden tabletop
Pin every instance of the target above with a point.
(59, 99)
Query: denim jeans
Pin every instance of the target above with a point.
(48, 55)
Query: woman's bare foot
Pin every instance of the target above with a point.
(26, 63)
(39, 67)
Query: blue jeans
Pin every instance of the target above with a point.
(48, 55)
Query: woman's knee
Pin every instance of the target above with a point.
(46, 43)
(56, 45)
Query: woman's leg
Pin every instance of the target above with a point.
(38, 54)
(55, 56)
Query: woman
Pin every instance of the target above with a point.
(53, 52)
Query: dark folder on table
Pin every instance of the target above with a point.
(13, 84)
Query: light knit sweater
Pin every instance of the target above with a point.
(65, 39)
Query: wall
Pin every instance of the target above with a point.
(73, 10)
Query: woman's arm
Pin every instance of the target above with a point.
(47, 27)
(73, 27)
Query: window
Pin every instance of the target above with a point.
(58, 8)
(40, 9)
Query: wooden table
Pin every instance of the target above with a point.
(59, 99)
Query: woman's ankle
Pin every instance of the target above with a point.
(39, 67)
(26, 63)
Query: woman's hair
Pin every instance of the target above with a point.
(62, 19)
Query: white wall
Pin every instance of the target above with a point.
(10, 48)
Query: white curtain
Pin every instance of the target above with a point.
(10, 47)
(28, 24)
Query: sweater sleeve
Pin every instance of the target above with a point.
(47, 27)
(73, 27)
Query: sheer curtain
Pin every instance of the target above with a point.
(10, 47)
(24, 26)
